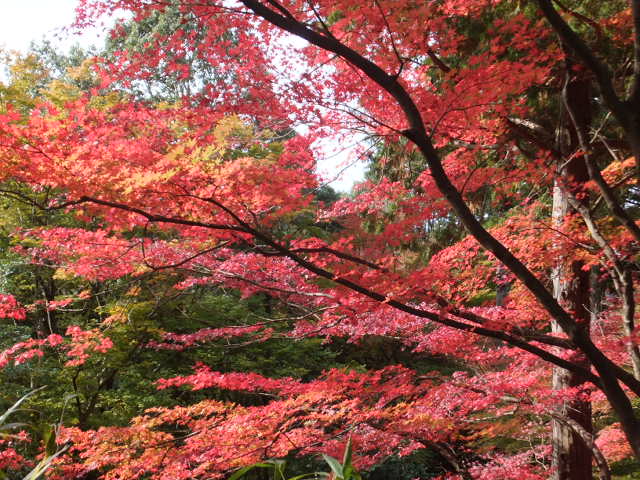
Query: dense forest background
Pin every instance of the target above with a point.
(182, 297)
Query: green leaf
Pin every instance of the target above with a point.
(9, 426)
(278, 467)
(307, 475)
(348, 471)
(49, 440)
(15, 406)
(346, 459)
(44, 465)
(335, 465)
(240, 473)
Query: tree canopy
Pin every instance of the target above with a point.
(198, 302)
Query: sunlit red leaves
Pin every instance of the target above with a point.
(613, 444)
(170, 162)
(11, 460)
(298, 415)
(10, 308)
(522, 466)
(174, 341)
(78, 345)
(85, 342)
(386, 411)
(154, 159)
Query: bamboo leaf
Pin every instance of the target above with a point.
(308, 475)
(240, 473)
(15, 406)
(44, 465)
(346, 459)
(335, 465)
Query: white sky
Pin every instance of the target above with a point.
(22, 21)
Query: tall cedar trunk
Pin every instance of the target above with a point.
(572, 459)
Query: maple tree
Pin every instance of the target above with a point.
(487, 108)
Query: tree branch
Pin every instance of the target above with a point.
(587, 57)
(608, 370)
(242, 226)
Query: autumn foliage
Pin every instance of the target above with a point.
(449, 250)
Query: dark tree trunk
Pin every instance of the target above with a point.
(572, 458)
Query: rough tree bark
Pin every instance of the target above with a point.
(572, 459)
